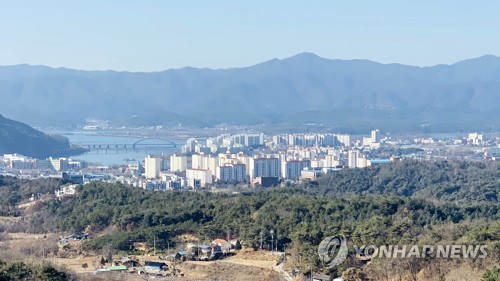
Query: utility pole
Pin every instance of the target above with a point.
(154, 246)
(311, 267)
(276, 244)
(272, 240)
(261, 240)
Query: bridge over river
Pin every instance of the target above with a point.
(143, 144)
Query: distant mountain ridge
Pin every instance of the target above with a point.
(16, 137)
(304, 88)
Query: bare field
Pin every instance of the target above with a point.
(225, 270)
(245, 266)
(251, 258)
(42, 247)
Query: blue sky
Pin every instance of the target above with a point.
(157, 35)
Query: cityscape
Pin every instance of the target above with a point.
(256, 160)
(249, 140)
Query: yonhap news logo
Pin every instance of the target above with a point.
(333, 251)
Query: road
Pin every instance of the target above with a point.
(284, 274)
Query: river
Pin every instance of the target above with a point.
(113, 156)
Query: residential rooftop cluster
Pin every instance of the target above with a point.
(259, 160)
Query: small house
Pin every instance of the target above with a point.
(153, 266)
(117, 268)
(223, 244)
(320, 277)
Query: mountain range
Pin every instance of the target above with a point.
(305, 88)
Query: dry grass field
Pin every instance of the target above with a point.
(36, 248)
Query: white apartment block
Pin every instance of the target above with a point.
(204, 162)
(152, 167)
(211, 163)
(245, 160)
(475, 138)
(332, 161)
(367, 141)
(178, 163)
(375, 136)
(361, 162)
(352, 159)
(198, 177)
(198, 162)
(254, 139)
(345, 140)
(61, 164)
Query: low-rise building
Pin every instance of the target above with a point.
(66, 190)
(198, 178)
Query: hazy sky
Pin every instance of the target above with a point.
(141, 35)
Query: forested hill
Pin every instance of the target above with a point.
(17, 137)
(446, 181)
(302, 216)
(401, 203)
(438, 192)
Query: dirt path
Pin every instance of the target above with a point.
(256, 263)
(284, 274)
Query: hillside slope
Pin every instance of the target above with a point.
(16, 137)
